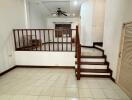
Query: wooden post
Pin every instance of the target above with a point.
(53, 39)
(49, 39)
(44, 40)
(78, 50)
(15, 39)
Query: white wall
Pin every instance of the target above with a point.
(92, 21)
(41, 58)
(73, 21)
(86, 23)
(117, 12)
(36, 18)
(98, 20)
(11, 16)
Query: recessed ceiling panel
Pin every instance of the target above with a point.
(66, 5)
(54, 5)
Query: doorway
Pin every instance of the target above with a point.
(62, 30)
(124, 77)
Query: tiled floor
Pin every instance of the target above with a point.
(56, 84)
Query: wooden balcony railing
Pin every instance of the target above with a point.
(44, 39)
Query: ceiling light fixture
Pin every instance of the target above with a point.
(54, 15)
(75, 2)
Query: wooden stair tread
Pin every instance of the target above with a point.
(96, 70)
(82, 46)
(100, 57)
(93, 57)
(92, 63)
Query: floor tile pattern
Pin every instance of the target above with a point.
(56, 84)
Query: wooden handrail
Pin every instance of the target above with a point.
(42, 29)
(78, 53)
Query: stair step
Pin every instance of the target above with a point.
(92, 63)
(95, 70)
(85, 73)
(92, 60)
(95, 75)
(94, 57)
(93, 66)
(90, 52)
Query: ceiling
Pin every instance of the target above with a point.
(48, 7)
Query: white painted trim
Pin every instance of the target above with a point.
(94, 66)
(83, 73)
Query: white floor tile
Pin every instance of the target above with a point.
(59, 92)
(72, 92)
(5, 97)
(17, 97)
(98, 93)
(85, 93)
(48, 91)
(30, 98)
(58, 98)
(86, 99)
(122, 94)
(44, 98)
(72, 98)
(111, 94)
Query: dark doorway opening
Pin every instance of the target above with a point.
(63, 30)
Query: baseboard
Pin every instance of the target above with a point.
(58, 67)
(87, 46)
(111, 75)
(113, 79)
(7, 70)
(98, 43)
(27, 66)
(95, 76)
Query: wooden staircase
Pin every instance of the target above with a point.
(93, 66)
